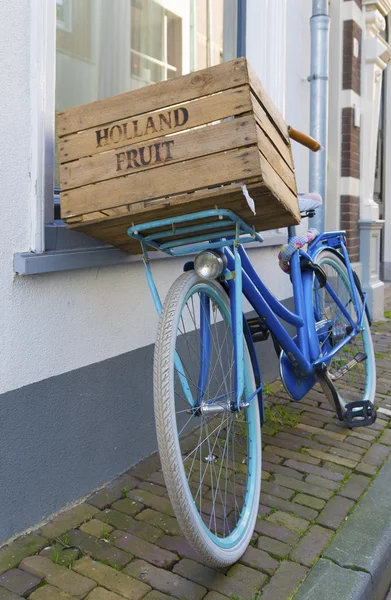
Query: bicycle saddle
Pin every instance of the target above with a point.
(310, 201)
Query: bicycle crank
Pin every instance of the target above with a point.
(360, 413)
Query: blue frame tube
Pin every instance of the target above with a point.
(298, 297)
(235, 296)
(205, 349)
(262, 308)
(278, 308)
(314, 346)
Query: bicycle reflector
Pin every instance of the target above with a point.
(210, 264)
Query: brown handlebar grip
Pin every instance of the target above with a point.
(304, 139)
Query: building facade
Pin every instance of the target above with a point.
(78, 323)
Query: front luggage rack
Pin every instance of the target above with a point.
(178, 236)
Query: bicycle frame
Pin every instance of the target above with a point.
(303, 351)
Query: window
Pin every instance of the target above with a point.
(63, 14)
(155, 43)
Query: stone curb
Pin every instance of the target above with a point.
(357, 564)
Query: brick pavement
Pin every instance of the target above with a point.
(125, 543)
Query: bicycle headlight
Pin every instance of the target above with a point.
(210, 264)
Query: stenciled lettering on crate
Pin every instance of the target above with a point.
(137, 128)
(144, 156)
(178, 146)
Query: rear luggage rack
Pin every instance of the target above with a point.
(185, 234)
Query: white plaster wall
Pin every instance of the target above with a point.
(55, 323)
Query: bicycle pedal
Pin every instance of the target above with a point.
(360, 413)
(259, 331)
(360, 357)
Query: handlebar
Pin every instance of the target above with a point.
(304, 139)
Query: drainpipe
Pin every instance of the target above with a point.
(320, 25)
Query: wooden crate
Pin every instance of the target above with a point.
(176, 147)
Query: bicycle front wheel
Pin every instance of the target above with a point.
(332, 325)
(211, 456)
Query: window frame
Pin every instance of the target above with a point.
(53, 246)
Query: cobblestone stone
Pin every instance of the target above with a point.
(258, 559)
(303, 458)
(354, 486)
(10, 556)
(273, 547)
(50, 592)
(314, 470)
(7, 595)
(125, 523)
(180, 546)
(167, 581)
(113, 491)
(19, 582)
(60, 577)
(288, 521)
(113, 580)
(98, 549)
(128, 506)
(376, 455)
(363, 444)
(309, 501)
(244, 587)
(270, 487)
(157, 490)
(277, 532)
(96, 528)
(322, 482)
(156, 502)
(294, 444)
(284, 582)
(100, 593)
(303, 486)
(154, 595)
(311, 545)
(270, 468)
(386, 437)
(286, 506)
(167, 524)
(67, 520)
(215, 596)
(335, 512)
(366, 469)
(337, 468)
(345, 462)
(345, 446)
(143, 549)
(320, 431)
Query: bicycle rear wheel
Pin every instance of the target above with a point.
(211, 457)
(360, 382)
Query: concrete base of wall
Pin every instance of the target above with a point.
(369, 255)
(385, 271)
(63, 437)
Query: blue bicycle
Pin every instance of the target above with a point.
(207, 381)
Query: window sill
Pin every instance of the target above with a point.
(97, 255)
